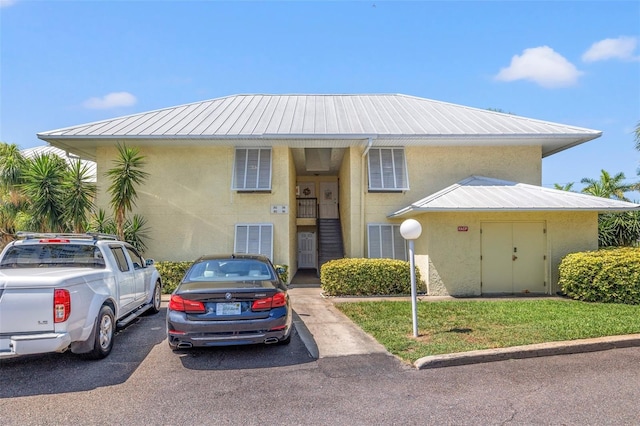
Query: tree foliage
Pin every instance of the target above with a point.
(607, 186)
(125, 176)
(46, 193)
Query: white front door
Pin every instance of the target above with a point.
(328, 200)
(306, 250)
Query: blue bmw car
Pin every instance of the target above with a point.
(229, 300)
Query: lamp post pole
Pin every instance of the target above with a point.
(411, 230)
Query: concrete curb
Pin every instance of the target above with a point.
(305, 336)
(528, 351)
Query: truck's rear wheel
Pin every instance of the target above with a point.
(157, 299)
(103, 334)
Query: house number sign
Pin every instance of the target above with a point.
(463, 228)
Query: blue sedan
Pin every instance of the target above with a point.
(229, 300)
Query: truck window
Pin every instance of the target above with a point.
(137, 260)
(121, 259)
(53, 256)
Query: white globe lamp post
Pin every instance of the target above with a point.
(410, 230)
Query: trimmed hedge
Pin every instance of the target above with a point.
(172, 273)
(606, 275)
(368, 277)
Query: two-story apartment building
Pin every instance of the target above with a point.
(307, 178)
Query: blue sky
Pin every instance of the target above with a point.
(64, 63)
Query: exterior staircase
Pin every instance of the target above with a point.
(330, 245)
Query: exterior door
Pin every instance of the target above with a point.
(497, 265)
(513, 257)
(328, 200)
(306, 250)
(529, 252)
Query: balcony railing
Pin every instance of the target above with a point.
(307, 208)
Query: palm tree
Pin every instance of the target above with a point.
(12, 202)
(80, 193)
(618, 229)
(608, 186)
(135, 232)
(125, 176)
(43, 186)
(565, 187)
(12, 165)
(102, 223)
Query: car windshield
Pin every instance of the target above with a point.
(229, 270)
(53, 256)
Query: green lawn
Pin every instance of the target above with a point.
(460, 326)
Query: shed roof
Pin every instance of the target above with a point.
(479, 193)
(389, 118)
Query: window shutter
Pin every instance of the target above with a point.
(254, 239)
(386, 236)
(252, 169)
(399, 244)
(375, 169)
(375, 241)
(385, 241)
(387, 169)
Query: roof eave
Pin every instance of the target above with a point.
(415, 211)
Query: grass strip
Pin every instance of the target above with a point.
(460, 326)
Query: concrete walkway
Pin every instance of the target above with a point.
(327, 332)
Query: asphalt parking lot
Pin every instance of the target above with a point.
(144, 382)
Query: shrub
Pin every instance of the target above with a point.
(171, 273)
(606, 275)
(367, 277)
(284, 276)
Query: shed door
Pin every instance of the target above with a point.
(513, 257)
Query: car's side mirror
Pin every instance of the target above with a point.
(148, 262)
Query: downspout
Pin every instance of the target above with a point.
(363, 181)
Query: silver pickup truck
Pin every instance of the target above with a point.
(71, 291)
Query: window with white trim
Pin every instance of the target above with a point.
(385, 241)
(252, 169)
(254, 238)
(387, 170)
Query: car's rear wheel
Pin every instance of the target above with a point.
(104, 332)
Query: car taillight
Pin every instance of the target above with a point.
(55, 240)
(177, 303)
(278, 299)
(61, 305)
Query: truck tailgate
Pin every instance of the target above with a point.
(26, 310)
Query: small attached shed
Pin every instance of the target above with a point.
(490, 236)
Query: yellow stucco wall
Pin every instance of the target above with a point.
(190, 208)
(351, 199)
(192, 211)
(434, 168)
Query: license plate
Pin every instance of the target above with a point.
(228, 308)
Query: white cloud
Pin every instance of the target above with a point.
(111, 100)
(543, 66)
(7, 3)
(612, 48)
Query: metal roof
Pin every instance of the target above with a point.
(479, 193)
(300, 119)
(40, 150)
